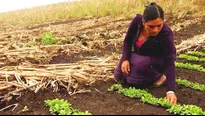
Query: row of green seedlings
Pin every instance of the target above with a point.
(62, 107)
(193, 56)
(146, 97)
(195, 53)
(189, 66)
(192, 85)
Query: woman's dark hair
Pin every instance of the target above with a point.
(153, 11)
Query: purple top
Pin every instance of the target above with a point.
(161, 45)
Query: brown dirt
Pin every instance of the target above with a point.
(99, 101)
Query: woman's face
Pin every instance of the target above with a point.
(153, 27)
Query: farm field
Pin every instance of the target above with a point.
(79, 67)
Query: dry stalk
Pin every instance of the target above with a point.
(5, 87)
(196, 41)
(15, 105)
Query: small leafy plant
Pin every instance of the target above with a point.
(62, 107)
(47, 38)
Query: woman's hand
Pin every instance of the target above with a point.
(125, 67)
(171, 97)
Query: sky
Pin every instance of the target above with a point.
(11, 5)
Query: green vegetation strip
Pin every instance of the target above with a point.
(191, 58)
(195, 53)
(190, 66)
(192, 85)
(148, 98)
(62, 107)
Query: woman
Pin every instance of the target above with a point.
(149, 52)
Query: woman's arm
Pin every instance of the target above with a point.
(127, 44)
(170, 58)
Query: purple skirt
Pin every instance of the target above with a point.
(144, 70)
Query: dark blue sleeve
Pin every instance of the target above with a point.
(170, 58)
(127, 44)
